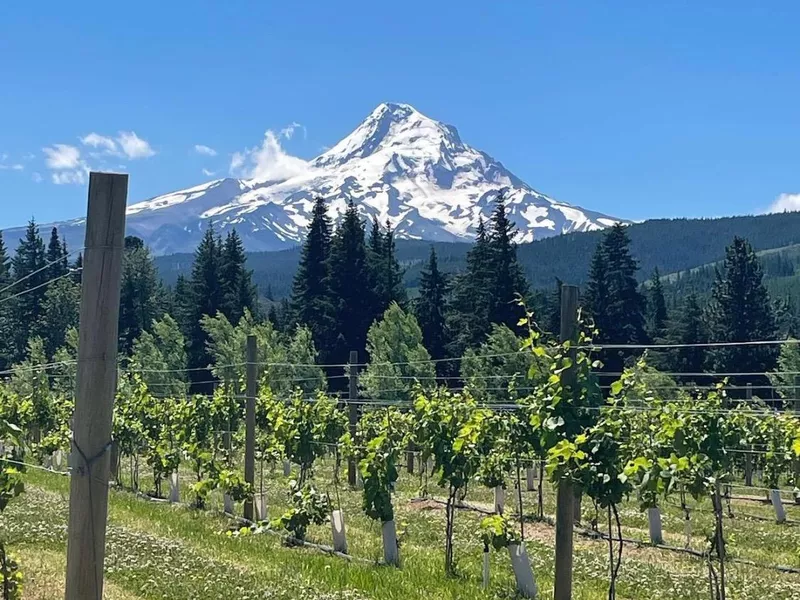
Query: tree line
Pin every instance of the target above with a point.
(348, 294)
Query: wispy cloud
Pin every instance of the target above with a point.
(785, 203)
(133, 146)
(267, 161)
(62, 156)
(95, 140)
(204, 150)
(37, 177)
(208, 173)
(12, 167)
(288, 131)
(78, 176)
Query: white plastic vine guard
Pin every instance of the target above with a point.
(260, 503)
(499, 499)
(523, 573)
(530, 479)
(174, 488)
(338, 530)
(391, 553)
(227, 503)
(777, 504)
(654, 522)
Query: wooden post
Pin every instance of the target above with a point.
(250, 421)
(565, 500)
(95, 385)
(352, 410)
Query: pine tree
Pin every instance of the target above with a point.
(349, 277)
(740, 311)
(312, 304)
(385, 272)
(238, 291)
(142, 296)
(553, 316)
(656, 307)
(31, 277)
(508, 280)
(430, 308)
(204, 298)
(6, 326)
(77, 269)
(469, 311)
(56, 256)
(613, 298)
(60, 313)
(687, 328)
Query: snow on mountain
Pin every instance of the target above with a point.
(398, 165)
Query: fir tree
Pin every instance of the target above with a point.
(27, 295)
(469, 312)
(613, 298)
(740, 311)
(77, 269)
(385, 272)
(553, 317)
(349, 276)
(656, 307)
(180, 309)
(238, 291)
(141, 293)
(56, 256)
(312, 304)
(430, 308)
(508, 282)
(60, 313)
(6, 326)
(687, 328)
(204, 299)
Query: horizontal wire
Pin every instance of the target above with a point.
(39, 270)
(69, 273)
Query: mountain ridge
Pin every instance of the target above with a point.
(397, 165)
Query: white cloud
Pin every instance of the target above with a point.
(288, 131)
(77, 176)
(208, 173)
(14, 167)
(267, 162)
(133, 146)
(204, 150)
(37, 177)
(95, 140)
(62, 156)
(785, 203)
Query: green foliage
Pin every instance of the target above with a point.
(30, 277)
(429, 308)
(160, 358)
(398, 359)
(498, 371)
(498, 532)
(142, 296)
(238, 292)
(308, 507)
(233, 484)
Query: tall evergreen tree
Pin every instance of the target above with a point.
(312, 304)
(508, 280)
(469, 310)
(687, 328)
(740, 311)
(77, 269)
(656, 307)
(141, 293)
(56, 256)
(238, 291)
(6, 326)
(553, 317)
(27, 295)
(385, 272)
(429, 308)
(613, 298)
(204, 298)
(60, 313)
(349, 276)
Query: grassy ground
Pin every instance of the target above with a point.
(155, 550)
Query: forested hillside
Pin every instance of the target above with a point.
(672, 245)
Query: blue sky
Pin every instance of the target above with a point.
(638, 110)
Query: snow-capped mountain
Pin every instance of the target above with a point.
(398, 165)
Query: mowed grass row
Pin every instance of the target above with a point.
(155, 550)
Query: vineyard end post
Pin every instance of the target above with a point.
(565, 502)
(250, 421)
(95, 384)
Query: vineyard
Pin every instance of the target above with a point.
(676, 491)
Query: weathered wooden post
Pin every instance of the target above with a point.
(250, 421)
(565, 499)
(95, 385)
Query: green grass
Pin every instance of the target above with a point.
(155, 550)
